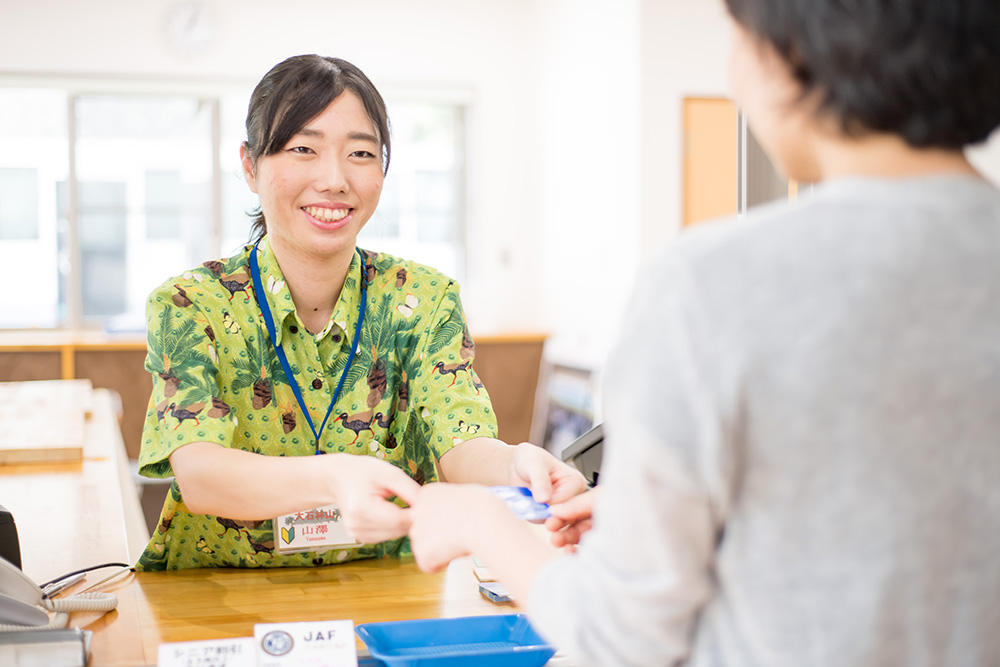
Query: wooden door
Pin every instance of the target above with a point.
(711, 158)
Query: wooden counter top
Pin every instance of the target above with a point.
(187, 605)
(71, 515)
(75, 515)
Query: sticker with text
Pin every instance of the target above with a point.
(312, 530)
(308, 644)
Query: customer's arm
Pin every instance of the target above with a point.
(632, 593)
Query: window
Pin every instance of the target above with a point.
(163, 204)
(18, 203)
(421, 212)
(104, 196)
(144, 168)
(101, 220)
(33, 159)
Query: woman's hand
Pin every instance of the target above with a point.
(571, 519)
(363, 487)
(447, 519)
(550, 480)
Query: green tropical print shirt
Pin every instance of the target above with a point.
(409, 396)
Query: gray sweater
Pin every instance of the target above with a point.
(803, 455)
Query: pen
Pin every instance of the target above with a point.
(57, 586)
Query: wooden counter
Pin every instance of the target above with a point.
(185, 605)
(71, 516)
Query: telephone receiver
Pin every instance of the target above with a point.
(23, 605)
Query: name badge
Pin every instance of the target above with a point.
(318, 529)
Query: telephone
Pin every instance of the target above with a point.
(23, 605)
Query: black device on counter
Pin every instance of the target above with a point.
(10, 548)
(585, 453)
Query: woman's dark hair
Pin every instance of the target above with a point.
(925, 70)
(294, 92)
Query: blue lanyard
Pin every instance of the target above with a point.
(265, 310)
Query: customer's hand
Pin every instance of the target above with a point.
(550, 480)
(451, 520)
(571, 519)
(363, 487)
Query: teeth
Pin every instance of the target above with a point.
(327, 214)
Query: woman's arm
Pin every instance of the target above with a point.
(494, 462)
(243, 485)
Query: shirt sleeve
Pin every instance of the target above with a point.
(632, 593)
(451, 400)
(184, 406)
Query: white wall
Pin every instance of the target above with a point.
(685, 47)
(590, 149)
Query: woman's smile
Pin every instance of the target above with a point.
(328, 217)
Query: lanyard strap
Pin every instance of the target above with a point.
(265, 310)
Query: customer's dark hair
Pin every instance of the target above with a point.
(294, 92)
(925, 70)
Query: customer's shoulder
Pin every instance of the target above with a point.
(721, 237)
(847, 213)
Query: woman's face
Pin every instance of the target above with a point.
(764, 88)
(323, 186)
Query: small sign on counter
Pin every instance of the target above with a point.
(311, 644)
(237, 652)
(308, 644)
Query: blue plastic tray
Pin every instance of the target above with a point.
(506, 640)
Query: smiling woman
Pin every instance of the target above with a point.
(251, 355)
(317, 192)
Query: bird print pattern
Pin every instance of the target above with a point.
(410, 394)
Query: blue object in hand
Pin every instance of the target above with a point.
(522, 503)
